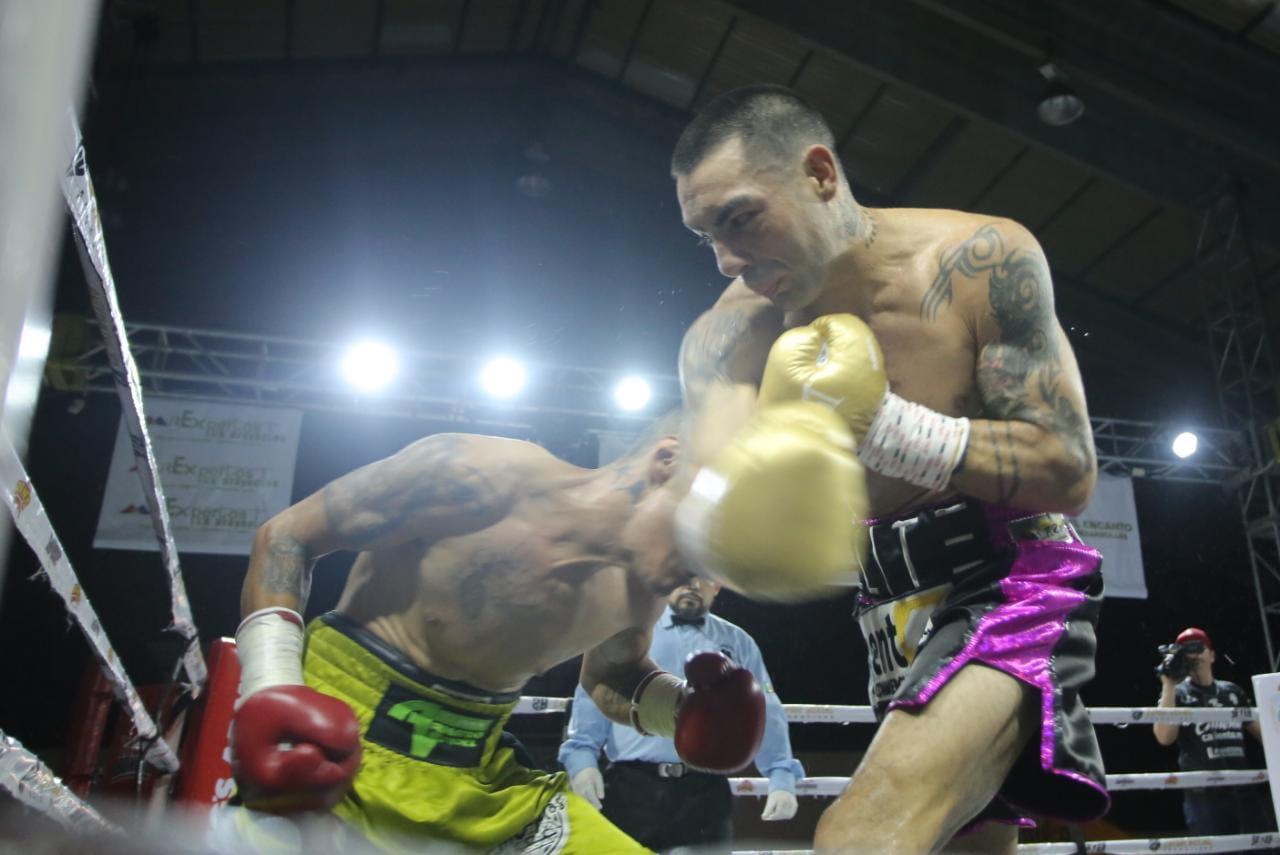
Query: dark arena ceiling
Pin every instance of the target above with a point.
(933, 103)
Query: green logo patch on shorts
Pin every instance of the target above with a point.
(415, 726)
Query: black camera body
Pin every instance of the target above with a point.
(1175, 663)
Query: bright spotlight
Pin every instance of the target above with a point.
(370, 365)
(632, 393)
(503, 377)
(1185, 444)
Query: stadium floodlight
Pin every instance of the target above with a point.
(370, 365)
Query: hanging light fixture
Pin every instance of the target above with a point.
(1059, 104)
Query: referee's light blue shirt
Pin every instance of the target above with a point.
(590, 731)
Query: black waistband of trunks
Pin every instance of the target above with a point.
(940, 545)
(398, 661)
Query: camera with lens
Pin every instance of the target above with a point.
(1175, 664)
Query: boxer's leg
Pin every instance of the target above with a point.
(994, 838)
(929, 771)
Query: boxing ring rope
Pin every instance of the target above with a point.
(1120, 717)
(31, 782)
(838, 714)
(82, 204)
(33, 524)
(1221, 843)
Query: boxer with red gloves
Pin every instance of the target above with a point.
(482, 562)
(292, 748)
(715, 715)
(890, 390)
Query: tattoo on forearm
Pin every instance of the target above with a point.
(612, 703)
(1008, 480)
(1015, 481)
(286, 569)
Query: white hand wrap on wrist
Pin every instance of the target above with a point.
(269, 645)
(655, 702)
(912, 442)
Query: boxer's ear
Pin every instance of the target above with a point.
(662, 460)
(822, 171)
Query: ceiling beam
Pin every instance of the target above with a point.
(984, 71)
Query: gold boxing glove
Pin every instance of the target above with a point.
(834, 361)
(778, 513)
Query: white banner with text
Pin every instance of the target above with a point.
(1110, 524)
(226, 469)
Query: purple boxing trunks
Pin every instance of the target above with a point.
(1018, 592)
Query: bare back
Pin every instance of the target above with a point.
(481, 559)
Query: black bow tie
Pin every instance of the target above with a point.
(676, 620)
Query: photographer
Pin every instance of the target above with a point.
(1186, 680)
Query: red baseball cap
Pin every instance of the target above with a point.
(1193, 633)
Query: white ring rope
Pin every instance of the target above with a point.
(834, 786)
(31, 521)
(82, 204)
(829, 714)
(1220, 843)
(31, 782)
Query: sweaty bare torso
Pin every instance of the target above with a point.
(533, 585)
(927, 329)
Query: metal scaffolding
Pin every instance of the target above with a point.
(1246, 377)
(201, 364)
(212, 365)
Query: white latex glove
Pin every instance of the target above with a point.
(779, 806)
(589, 784)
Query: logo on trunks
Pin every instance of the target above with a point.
(417, 727)
(431, 724)
(883, 644)
(539, 704)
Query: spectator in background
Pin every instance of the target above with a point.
(1186, 680)
(645, 790)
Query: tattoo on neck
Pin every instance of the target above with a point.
(867, 229)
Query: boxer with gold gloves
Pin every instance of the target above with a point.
(482, 561)
(891, 388)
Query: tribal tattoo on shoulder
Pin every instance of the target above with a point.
(1020, 376)
(983, 251)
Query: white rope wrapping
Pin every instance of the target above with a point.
(836, 714)
(31, 782)
(1221, 843)
(33, 524)
(77, 190)
(834, 786)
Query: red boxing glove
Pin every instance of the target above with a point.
(721, 721)
(294, 749)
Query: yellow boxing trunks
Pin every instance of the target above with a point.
(435, 767)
